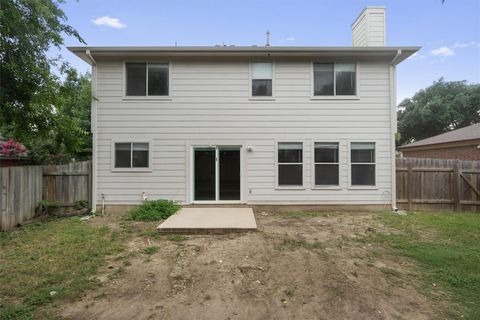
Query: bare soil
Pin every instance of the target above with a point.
(291, 268)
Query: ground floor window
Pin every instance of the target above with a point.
(290, 163)
(132, 155)
(326, 164)
(362, 159)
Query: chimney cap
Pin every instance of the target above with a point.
(365, 9)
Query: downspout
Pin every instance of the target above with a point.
(93, 116)
(393, 124)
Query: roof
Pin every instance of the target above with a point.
(471, 132)
(251, 51)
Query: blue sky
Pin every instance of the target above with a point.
(449, 33)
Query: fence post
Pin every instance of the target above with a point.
(409, 184)
(456, 185)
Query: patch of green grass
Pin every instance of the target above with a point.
(42, 263)
(16, 313)
(305, 214)
(152, 210)
(151, 250)
(177, 237)
(295, 244)
(447, 249)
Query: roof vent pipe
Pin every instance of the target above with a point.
(268, 39)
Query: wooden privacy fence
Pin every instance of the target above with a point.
(67, 183)
(438, 184)
(22, 188)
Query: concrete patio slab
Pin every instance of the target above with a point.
(209, 221)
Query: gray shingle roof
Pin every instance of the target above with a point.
(467, 133)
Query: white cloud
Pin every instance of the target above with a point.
(109, 22)
(442, 52)
(466, 44)
(460, 45)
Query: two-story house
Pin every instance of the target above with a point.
(247, 125)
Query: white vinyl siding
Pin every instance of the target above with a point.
(369, 28)
(210, 104)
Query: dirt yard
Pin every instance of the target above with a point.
(294, 267)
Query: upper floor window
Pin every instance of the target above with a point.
(362, 158)
(262, 75)
(132, 155)
(334, 79)
(147, 79)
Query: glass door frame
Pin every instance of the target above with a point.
(217, 173)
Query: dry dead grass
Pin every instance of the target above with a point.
(296, 266)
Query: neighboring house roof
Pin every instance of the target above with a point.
(404, 52)
(463, 134)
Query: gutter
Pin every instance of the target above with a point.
(395, 59)
(393, 125)
(89, 55)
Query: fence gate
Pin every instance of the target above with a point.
(438, 184)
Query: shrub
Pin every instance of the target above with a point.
(81, 204)
(152, 210)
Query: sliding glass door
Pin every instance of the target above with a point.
(217, 174)
(205, 168)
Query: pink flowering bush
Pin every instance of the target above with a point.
(12, 148)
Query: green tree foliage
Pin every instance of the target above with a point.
(442, 107)
(37, 108)
(75, 92)
(68, 134)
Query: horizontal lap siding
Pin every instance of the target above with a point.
(210, 104)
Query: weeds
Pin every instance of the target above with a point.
(177, 237)
(151, 250)
(152, 210)
(289, 292)
(294, 244)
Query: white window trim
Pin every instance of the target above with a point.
(250, 79)
(150, 157)
(334, 96)
(357, 187)
(340, 164)
(191, 172)
(146, 97)
(290, 187)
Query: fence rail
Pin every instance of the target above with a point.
(22, 188)
(438, 184)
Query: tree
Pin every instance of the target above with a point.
(75, 92)
(68, 134)
(442, 107)
(29, 100)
